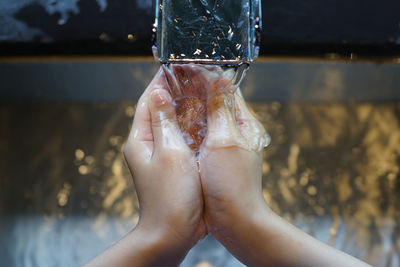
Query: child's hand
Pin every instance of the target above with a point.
(171, 193)
(235, 211)
(164, 171)
(231, 163)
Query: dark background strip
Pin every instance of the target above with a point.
(357, 28)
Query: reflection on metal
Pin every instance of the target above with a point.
(66, 193)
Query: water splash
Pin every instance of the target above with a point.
(191, 87)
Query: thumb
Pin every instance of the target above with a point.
(165, 128)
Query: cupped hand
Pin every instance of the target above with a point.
(231, 163)
(172, 194)
(164, 170)
(235, 210)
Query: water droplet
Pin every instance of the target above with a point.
(197, 52)
(131, 37)
(218, 18)
(62, 21)
(204, 2)
(230, 34)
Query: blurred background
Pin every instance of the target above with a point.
(326, 87)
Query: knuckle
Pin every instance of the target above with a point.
(162, 119)
(156, 121)
(217, 141)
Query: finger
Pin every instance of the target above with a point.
(221, 121)
(140, 141)
(164, 124)
(250, 128)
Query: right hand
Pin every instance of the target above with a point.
(235, 210)
(231, 164)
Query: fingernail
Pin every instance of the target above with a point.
(160, 97)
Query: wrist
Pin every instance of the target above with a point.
(240, 221)
(157, 246)
(243, 231)
(233, 218)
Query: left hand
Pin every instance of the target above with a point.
(164, 171)
(168, 186)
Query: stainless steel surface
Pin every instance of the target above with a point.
(66, 193)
